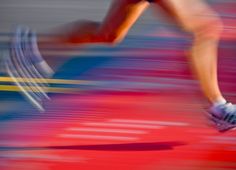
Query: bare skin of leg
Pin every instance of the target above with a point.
(199, 19)
(121, 16)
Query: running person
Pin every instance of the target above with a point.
(194, 16)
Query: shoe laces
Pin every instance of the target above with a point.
(230, 112)
(230, 108)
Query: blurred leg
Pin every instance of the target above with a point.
(119, 19)
(197, 17)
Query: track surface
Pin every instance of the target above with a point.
(136, 108)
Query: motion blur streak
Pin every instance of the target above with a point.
(134, 106)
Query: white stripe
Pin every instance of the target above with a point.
(107, 130)
(40, 157)
(123, 125)
(75, 136)
(152, 122)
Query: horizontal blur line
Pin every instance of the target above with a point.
(107, 130)
(43, 157)
(123, 125)
(149, 122)
(223, 139)
(122, 138)
(51, 81)
(13, 88)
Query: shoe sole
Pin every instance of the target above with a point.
(221, 125)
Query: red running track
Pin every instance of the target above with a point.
(118, 131)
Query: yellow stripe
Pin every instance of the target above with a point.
(13, 88)
(51, 81)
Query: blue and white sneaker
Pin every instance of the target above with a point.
(36, 57)
(223, 116)
(23, 65)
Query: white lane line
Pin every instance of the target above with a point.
(104, 130)
(101, 137)
(123, 125)
(27, 156)
(151, 122)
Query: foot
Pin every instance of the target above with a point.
(223, 116)
(24, 66)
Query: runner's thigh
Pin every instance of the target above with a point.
(192, 14)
